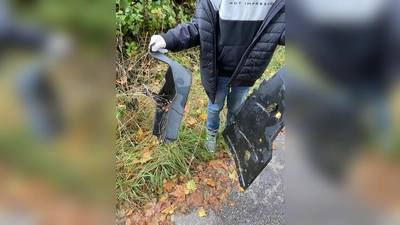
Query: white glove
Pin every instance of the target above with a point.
(157, 43)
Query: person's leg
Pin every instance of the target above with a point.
(213, 118)
(213, 110)
(235, 99)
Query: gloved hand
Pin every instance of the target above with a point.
(157, 43)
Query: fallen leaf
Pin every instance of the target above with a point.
(169, 185)
(146, 155)
(179, 193)
(218, 163)
(225, 179)
(273, 146)
(195, 199)
(164, 197)
(187, 191)
(203, 116)
(122, 106)
(129, 212)
(241, 190)
(130, 68)
(191, 121)
(232, 203)
(213, 201)
(163, 217)
(232, 175)
(200, 168)
(191, 185)
(186, 110)
(120, 165)
(139, 136)
(169, 210)
(211, 182)
(200, 100)
(161, 206)
(201, 213)
(123, 80)
(278, 115)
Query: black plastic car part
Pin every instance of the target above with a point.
(255, 126)
(171, 99)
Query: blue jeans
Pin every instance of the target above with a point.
(235, 96)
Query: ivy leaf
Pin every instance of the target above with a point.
(191, 185)
(232, 175)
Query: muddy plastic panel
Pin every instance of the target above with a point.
(171, 100)
(255, 126)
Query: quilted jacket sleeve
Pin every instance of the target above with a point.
(182, 37)
(282, 39)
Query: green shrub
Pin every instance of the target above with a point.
(138, 19)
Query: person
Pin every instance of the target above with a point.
(237, 40)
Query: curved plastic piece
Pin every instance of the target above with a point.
(171, 100)
(255, 126)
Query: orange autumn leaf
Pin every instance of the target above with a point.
(273, 146)
(203, 116)
(211, 182)
(179, 193)
(169, 185)
(232, 203)
(196, 198)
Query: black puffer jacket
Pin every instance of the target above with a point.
(202, 31)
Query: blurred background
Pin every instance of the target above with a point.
(56, 112)
(343, 123)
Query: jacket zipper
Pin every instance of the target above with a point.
(268, 17)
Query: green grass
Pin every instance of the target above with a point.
(140, 180)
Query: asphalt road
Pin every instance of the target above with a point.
(262, 203)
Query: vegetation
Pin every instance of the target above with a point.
(137, 20)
